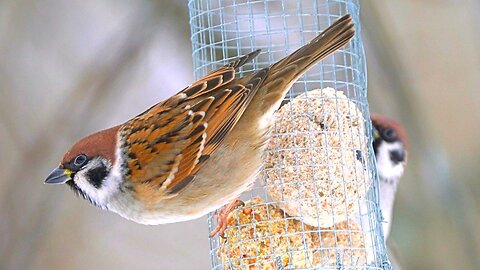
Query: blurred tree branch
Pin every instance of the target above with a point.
(6, 120)
(94, 87)
(426, 157)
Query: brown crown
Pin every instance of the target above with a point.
(101, 143)
(386, 122)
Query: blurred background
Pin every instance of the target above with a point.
(70, 68)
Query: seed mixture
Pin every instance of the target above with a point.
(262, 235)
(314, 165)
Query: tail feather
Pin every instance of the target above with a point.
(240, 61)
(285, 72)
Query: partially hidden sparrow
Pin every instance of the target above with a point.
(390, 144)
(195, 151)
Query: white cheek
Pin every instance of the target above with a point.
(110, 186)
(386, 168)
(87, 187)
(114, 179)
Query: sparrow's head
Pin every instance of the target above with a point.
(390, 144)
(88, 167)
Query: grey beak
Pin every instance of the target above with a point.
(58, 176)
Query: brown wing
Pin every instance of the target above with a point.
(170, 142)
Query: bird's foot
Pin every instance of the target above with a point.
(222, 217)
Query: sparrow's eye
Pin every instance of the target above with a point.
(389, 134)
(80, 160)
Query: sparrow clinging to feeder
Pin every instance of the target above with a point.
(390, 145)
(195, 151)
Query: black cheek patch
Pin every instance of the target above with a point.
(96, 176)
(397, 156)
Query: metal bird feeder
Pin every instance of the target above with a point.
(315, 204)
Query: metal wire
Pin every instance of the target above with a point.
(224, 29)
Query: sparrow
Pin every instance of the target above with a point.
(390, 144)
(195, 151)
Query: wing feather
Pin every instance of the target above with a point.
(169, 143)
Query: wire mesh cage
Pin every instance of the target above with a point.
(315, 205)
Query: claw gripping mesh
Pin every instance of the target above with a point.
(315, 203)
